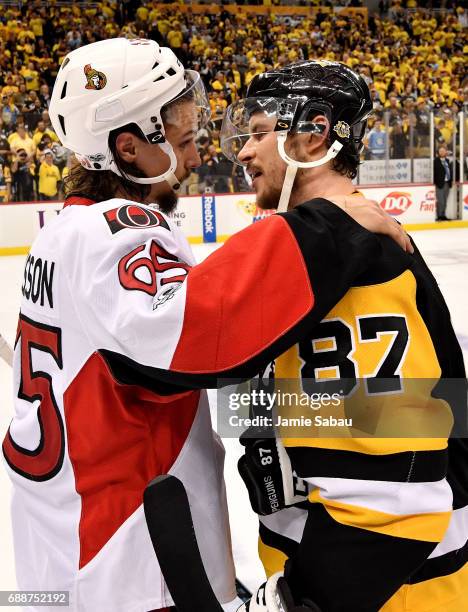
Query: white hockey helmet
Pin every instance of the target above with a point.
(111, 83)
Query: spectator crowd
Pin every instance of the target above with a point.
(413, 59)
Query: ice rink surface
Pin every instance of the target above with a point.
(446, 253)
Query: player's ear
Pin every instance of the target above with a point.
(126, 145)
(314, 140)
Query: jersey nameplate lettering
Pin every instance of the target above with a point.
(38, 281)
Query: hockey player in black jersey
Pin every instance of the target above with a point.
(119, 332)
(379, 521)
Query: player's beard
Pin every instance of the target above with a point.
(167, 201)
(269, 198)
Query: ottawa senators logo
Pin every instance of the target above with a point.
(131, 216)
(96, 80)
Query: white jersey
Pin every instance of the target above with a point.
(117, 335)
(79, 464)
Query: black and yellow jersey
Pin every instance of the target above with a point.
(385, 524)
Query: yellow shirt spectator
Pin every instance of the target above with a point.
(21, 140)
(49, 177)
(417, 27)
(13, 25)
(107, 10)
(237, 78)
(446, 133)
(31, 76)
(90, 12)
(175, 39)
(142, 13)
(164, 26)
(197, 44)
(37, 26)
(450, 39)
(38, 134)
(9, 88)
(25, 35)
(5, 183)
(154, 15)
(217, 104)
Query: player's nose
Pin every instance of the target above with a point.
(194, 159)
(247, 153)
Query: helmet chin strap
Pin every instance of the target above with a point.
(168, 176)
(293, 165)
(288, 183)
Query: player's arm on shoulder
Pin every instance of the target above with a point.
(240, 308)
(370, 215)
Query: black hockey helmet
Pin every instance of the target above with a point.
(294, 95)
(286, 100)
(320, 87)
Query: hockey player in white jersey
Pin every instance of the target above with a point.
(119, 332)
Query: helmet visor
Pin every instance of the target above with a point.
(357, 131)
(175, 112)
(253, 118)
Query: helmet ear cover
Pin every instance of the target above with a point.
(296, 115)
(350, 136)
(304, 120)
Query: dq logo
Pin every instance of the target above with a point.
(396, 202)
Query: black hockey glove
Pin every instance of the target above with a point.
(266, 471)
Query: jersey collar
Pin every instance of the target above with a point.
(78, 201)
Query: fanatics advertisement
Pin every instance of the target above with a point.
(213, 218)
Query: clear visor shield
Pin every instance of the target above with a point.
(253, 118)
(182, 118)
(190, 110)
(358, 131)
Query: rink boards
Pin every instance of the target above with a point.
(213, 218)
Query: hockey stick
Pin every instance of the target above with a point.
(6, 352)
(170, 525)
(242, 591)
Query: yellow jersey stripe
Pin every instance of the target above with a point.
(428, 527)
(442, 594)
(273, 560)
